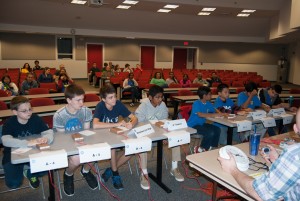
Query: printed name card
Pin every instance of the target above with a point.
(176, 138)
(243, 125)
(137, 145)
(268, 122)
(175, 124)
(277, 112)
(48, 160)
(94, 152)
(287, 119)
(258, 114)
(142, 131)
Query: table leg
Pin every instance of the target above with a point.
(176, 104)
(214, 192)
(51, 187)
(158, 178)
(229, 135)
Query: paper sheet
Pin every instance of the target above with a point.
(87, 132)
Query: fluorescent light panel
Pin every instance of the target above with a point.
(78, 2)
(208, 9)
(123, 7)
(248, 11)
(243, 15)
(203, 13)
(130, 2)
(171, 6)
(163, 10)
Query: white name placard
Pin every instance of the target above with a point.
(268, 122)
(176, 138)
(142, 131)
(48, 160)
(137, 145)
(277, 112)
(244, 125)
(94, 152)
(287, 119)
(258, 114)
(175, 124)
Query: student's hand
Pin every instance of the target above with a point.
(129, 125)
(122, 123)
(218, 115)
(253, 93)
(242, 113)
(271, 157)
(293, 109)
(41, 140)
(228, 165)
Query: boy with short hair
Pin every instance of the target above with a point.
(72, 118)
(16, 131)
(153, 108)
(106, 115)
(201, 110)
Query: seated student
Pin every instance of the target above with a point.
(127, 69)
(106, 74)
(28, 83)
(153, 108)
(72, 118)
(270, 97)
(130, 84)
(23, 124)
(26, 68)
(106, 115)
(171, 79)
(200, 111)
(214, 78)
(92, 73)
(281, 182)
(185, 82)
(63, 82)
(158, 80)
(46, 76)
(200, 80)
(8, 86)
(37, 65)
(117, 69)
(249, 101)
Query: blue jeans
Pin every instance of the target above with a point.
(210, 133)
(14, 174)
(281, 128)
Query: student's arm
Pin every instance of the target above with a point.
(133, 121)
(49, 135)
(249, 99)
(10, 141)
(98, 124)
(209, 115)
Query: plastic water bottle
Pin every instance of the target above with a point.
(291, 100)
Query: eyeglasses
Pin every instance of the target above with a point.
(26, 111)
(255, 166)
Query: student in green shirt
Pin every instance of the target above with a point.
(158, 80)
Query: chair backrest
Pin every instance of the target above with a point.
(295, 91)
(214, 91)
(50, 86)
(38, 91)
(193, 85)
(91, 97)
(185, 112)
(149, 85)
(175, 85)
(239, 90)
(184, 92)
(3, 93)
(37, 102)
(3, 105)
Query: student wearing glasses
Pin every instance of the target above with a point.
(16, 129)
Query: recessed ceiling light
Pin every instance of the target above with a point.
(130, 2)
(248, 11)
(163, 10)
(243, 15)
(78, 2)
(171, 6)
(208, 9)
(123, 7)
(203, 13)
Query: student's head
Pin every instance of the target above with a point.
(105, 64)
(26, 66)
(171, 74)
(250, 86)
(74, 95)
(62, 71)
(214, 74)
(127, 65)
(21, 107)
(47, 70)
(199, 76)
(274, 90)
(63, 77)
(108, 95)
(117, 67)
(156, 94)
(107, 68)
(130, 76)
(185, 77)
(36, 62)
(223, 91)
(157, 75)
(204, 93)
(6, 79)
(94, 64)
(138, 66)
(29, 77)
(297, 124)
(62, 66)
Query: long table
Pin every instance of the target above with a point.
(64, 141)
(190, 99)
(208, 164)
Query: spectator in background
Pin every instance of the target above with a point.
(104, 66)
(138, 69)
(214, 78)
(63, 82)
(28, 83)
(171, 79)
(46, 76)
(111, 65)
(117, 69)
(131, 85)
(106, 74)
(127, 68)
(200, 80)
(37, 65)
(158, 80)
(8, 86)
(26, 68)
(93, 71)
(57, 72)
(185, 82)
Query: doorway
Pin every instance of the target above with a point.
(94, 54)
(147, 57)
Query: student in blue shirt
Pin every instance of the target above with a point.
(201, 110)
